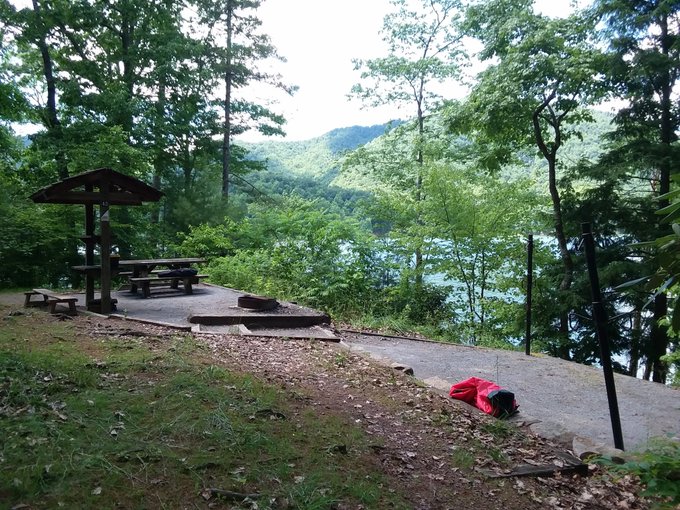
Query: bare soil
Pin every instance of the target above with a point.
(438, 452)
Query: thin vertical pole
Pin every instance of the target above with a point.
(89, 250)
(530, 283)
(105, 226)
(600, 317)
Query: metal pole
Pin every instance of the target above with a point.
(600, 317)
(530, 275)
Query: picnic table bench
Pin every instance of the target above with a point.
(144, 272)
(51, 298)
(187, 282)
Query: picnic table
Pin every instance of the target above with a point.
(141, 273)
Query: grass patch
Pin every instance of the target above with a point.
(462, 458)
(110, 422)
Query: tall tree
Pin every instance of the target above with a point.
(644, 42)
(476, 220)
(237, 48)
(533, 96)
(424, 48)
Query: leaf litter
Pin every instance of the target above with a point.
(437, 452)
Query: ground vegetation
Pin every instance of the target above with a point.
(420, 223)
(97, 412)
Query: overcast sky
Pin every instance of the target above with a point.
(319, 39)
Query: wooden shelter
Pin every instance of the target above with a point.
(102, 187)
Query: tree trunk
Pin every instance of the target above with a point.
(50, 118)
(567, 262)
(159, 149)
(127, 33)
(658, 336)
(658, 340)
(636, 333)
(419, 198)
(228, 78)
(550, 155)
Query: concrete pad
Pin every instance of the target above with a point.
(558, 399)
(310, 333)
(209, 305)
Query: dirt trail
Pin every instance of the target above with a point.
(565, 399)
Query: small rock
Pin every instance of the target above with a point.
(402, 368)
(585, 448)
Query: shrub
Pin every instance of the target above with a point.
(658, 467)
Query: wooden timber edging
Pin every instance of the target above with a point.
(272, 321)
(565, 464)
(401, 337)
(149, 321)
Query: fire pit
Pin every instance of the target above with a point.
(257, 302)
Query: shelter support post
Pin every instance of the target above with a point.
(89, 251)
(105, 227)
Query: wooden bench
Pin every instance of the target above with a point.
(187, 282)
(50, 299)
(131, 273)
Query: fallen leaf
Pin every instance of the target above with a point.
(97, 491)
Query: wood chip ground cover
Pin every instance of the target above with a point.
(116, 414)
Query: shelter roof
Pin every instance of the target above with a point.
(91, 188)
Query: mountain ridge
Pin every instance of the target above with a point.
(314, 157)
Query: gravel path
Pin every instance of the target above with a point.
(565, 399)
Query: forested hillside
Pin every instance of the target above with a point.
(309, 168)
(422, 227)
(316, 157)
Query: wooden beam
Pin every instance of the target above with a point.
(89, 250)
(105, 232)
(88, 197)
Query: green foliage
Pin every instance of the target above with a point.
(643, 69)
(667, 277)
(427, 304)
(673, 360)
(478, 225)
(209, 241)
(423, 48)
(658, 467)
(295, 251)
(38, 242)
(29, 233)
(316, 157)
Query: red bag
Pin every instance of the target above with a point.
(486, 396)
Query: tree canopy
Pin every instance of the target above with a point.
(419, 223)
